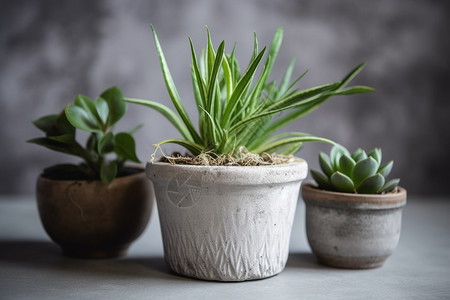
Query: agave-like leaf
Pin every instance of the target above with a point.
(173, 91)
(390, 185)
(342, 182)
(371, 185)
(285, 142)
(325, 165)
(346, 165)
(321, 180)
(363, 169)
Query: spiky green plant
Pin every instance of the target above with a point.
(359, 172)
(238, 109)
(98, 118)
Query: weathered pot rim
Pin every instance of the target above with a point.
(315, 196)
(270, 174)
(85, 181)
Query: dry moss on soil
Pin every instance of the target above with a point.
(244, 158)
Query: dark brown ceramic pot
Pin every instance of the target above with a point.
(89, 219)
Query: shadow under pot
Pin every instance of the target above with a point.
(353, 231)
(89, 219)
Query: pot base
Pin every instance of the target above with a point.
(95, 253)
(351, 262)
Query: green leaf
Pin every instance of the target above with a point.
(357, 153)
(117, 107)
(325, 165)
(63, 144)
(46, 124)
(102, 109)
(285, 142)
(242, 84)
(357, 89)
(321, 180)
(166, 112)
(125, 147)
(335, 155)
(376, 154)
(390, 185)
(173, 93)
(386, 169)
(213, 76)
(346, 165)
(106, 144)
(194, 148)
(108, 172)
(134, 129)
(360, 156)
(89, 107)
(363, 169)
(371, 185)
(80, 119)
(342, 183)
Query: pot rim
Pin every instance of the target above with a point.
(313, 195)
(137, 167)
(233, 175)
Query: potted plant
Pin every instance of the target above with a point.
(98, 208)
(226, 211)
(353, 217)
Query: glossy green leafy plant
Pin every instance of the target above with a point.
(359, 172)
(105, 152)
(242, 109)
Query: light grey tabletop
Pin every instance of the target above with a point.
(32, 267)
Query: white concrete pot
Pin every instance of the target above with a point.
(353, 231)
(226, 223)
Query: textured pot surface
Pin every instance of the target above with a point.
(354, 231)
(92, 220)
(226, 223)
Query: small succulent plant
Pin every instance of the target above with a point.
(242, 109)
(96, 117)
(359, 172)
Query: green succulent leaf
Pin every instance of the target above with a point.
(342, 183)
(116, 106)
(321, 180)
(102, 108)
(360, 156)
(371, 185)
(386, 169)
(88, 106)
(363, 169)
(106, 144)
(376, 154)
(390, 185)
(335, 155)
(108, 171)
(325, 165)
(357, 153)
(346, 165)
(81, 119)
(125, 147)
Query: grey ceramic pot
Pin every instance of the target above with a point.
(89, 219)
(226, 223)
(354, 231)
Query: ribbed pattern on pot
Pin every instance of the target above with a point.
(229, 255)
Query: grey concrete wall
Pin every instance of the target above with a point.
(52, 50)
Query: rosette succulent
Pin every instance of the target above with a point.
(359, 172)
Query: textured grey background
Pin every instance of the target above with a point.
(52, 50)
